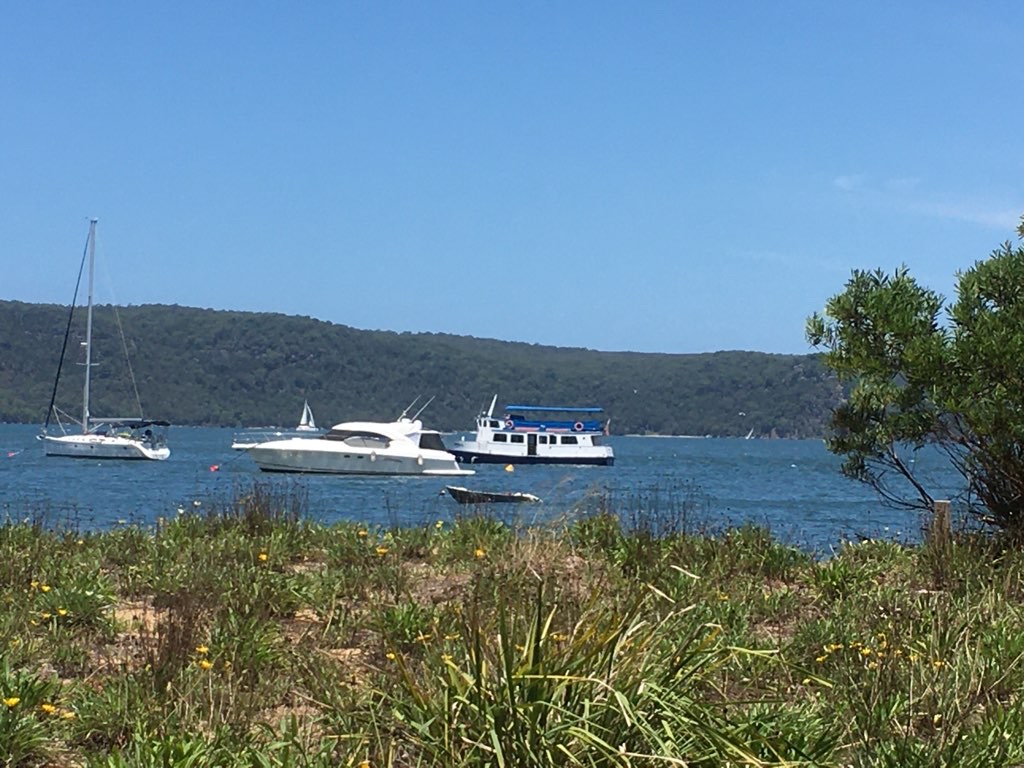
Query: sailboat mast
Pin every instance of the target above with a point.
(88, 327)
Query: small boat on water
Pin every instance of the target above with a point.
(245, 440)
(537, 434)
(99, 438)
(466, 496)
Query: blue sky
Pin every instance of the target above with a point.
(665, 177)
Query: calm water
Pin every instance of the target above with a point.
(792, 486)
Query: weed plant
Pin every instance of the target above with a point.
(242, 633)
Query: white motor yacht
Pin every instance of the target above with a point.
(401, 447)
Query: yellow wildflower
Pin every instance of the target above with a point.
(390, 656)
(938, 663)
(12, 701)
(262, 557)
(44, 587)
(205, 664)
(422, 638)
(382, 551)
(62, 611)
(446, 657)
(478, 553)
(821, 659)
(439, 524)
(67, 714)
(363, 533)
(202, 650)
(48, 708)
(364, 764)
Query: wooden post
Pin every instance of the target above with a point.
(940, 544)
(940, 531)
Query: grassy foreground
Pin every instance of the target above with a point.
(247, 635)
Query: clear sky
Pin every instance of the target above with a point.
(646, 176)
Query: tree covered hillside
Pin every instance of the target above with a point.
(208, 367)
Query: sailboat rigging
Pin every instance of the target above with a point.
(98, 438)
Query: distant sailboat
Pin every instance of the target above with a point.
(750, 434)
(306, 422)
(306, 427)
(99, 438)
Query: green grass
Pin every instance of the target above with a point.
(247, 635)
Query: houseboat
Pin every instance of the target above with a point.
(537, 434)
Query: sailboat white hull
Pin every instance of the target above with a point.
(102, 447)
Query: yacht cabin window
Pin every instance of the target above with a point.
(516, 438)
(569, 440)
(358, 439)
(500, 437)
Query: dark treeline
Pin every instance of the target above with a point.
(220, 368)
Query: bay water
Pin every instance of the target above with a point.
(792, 487)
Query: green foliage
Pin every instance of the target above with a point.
(243, 635)
(205, 367)
(917, 384)
(26, 703)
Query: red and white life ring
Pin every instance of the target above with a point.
(578, 426)
(509, 423)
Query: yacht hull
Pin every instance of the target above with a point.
(102, 447)
(314, 456)
(469, 456)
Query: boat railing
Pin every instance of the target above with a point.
(552, 425)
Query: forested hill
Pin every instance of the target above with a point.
(207, 367)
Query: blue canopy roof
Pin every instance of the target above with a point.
(552, 409)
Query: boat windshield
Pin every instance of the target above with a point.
(432, 441)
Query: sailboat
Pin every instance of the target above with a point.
(246, 439)
(306, 422)
(98, 438)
